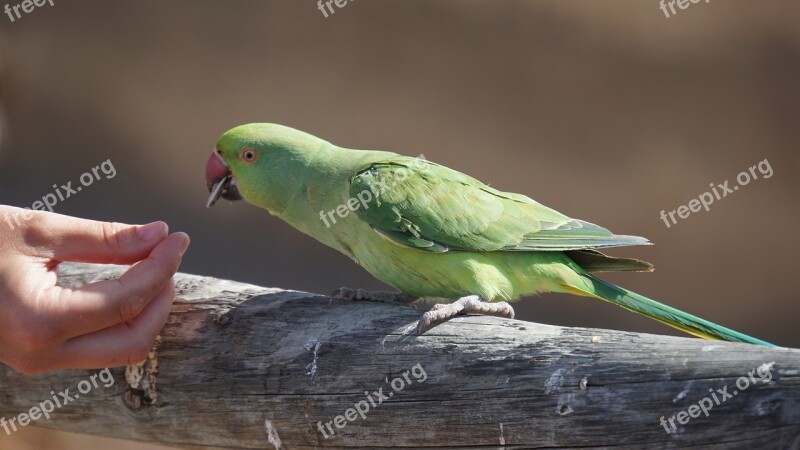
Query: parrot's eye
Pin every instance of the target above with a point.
(249, 155)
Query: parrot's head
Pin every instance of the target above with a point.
(259, 162)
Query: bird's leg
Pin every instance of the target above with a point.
(394, 298)
(469, 304)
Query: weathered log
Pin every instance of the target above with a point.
(240, 366)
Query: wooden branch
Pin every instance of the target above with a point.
(239, 366)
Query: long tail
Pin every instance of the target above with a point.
(667, 314)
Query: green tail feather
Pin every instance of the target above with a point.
(667, 314)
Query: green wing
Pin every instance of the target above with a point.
(430, 207)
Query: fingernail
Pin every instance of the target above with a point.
(152, 231)
(185, 244)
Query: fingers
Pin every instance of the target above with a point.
(64, 238)
(104, 304)
(44, 327)
(122, 344)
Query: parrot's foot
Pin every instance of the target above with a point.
(394, 298)
(470, 304)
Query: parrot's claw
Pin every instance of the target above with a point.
(470, 304)
(394, 298)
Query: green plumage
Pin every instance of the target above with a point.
(430, 231)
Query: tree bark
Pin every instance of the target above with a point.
(240, 366)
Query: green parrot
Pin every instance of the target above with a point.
(427, 230)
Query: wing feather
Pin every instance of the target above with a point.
(430, 207)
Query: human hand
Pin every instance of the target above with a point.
(105, 324)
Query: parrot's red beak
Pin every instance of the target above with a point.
(220, 180)
(216, 170)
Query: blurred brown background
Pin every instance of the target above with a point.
(607, 111)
